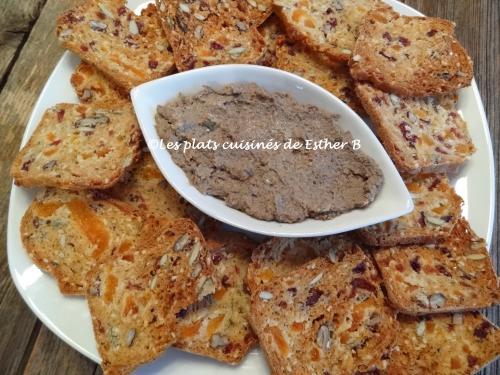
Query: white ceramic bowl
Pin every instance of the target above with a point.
(392, 201)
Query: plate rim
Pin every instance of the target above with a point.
(14, 191)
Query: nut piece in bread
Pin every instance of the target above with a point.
(77, 146)
(328, 27)
(325, 317)
(444, 344)
(129, 49)
(93, 87)
(66, 233)
(201, 35)
(421, 135)
(437, 209)
(220, 327)
(135, 294)
(293, 57)
(410, 56)
(454, 275)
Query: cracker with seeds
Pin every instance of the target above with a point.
(220, 328)
(134, 295)
(459, 344)
(145, 188)
(410, 56)
(79, 147)
(293, 57)
(202, 35)
(325, 318)
(129, 49)
(66, 233)
(328, 27)
(92, 86)
(437, 208)
(421, 135)
(455, 275)
(280, 256)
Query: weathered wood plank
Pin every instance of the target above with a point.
(16, 19)
(49, 349)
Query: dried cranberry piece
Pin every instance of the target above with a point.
(442, 269)
(217, 257)
(434, 183)
(122, 11)
(387, 36)
(360, 283)
(153, 64)
(481, 331)
(415, 264)
(421, 220)
(360, 268)
(293, 291)
(313, 297)
(406, 131)
(26, 165)
(225, 281)
(431, 33)
(471, 360)
(216, 46)
(390, 58)
(332, 22)
(404, 41)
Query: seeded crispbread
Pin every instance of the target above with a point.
(328, 27)
(410, 56)
(295, 58)
(221, 328)
(280, 256)
(270, 31)
(325, 318)
(455, 275)
(145, 188)
(437, 208)
(66, 233)
(420, 134)
(201, 35)
(127, 48)
(78, 146)
(444, 344)
(92, 86)
(135, 294)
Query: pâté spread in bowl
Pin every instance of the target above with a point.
(266, 154)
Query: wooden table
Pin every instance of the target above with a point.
(29, 52)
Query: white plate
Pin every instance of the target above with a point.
(69, 317)
(392, 201)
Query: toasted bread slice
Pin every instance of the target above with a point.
(279, 256)
(270, 30)
(410, 56)
(444, 344)
(135, 294)
(455, 275)
(79, 147)
(325, 317)
(437, 208)
(66, 233)
(220, 329)
(422, 135)
(145, 188)
(295, 58)
(201, 35)
(92, 86)
(129, 49)
(330, 28)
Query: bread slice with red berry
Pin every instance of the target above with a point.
(202, 35)
(219, 328)
(450, 276)
(127, 48)
(421, 135)
(444, 344)
(328, 27)
(134, 295)
(325, 318)
(77, 147)
(410, 56)
(437, 208)
(67, 233)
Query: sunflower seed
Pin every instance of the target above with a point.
(195, 252)
(316, 279)
(106, 11)
(421, 328)
(130, 337)
(218, 341)
(182, 242)
(236, 50)
(98, 26)
(200, 17)
(476, 256)
(437, 300)
(133, 28)
(323, 338)
(198, 32)
(184, 7)
(266, 296)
